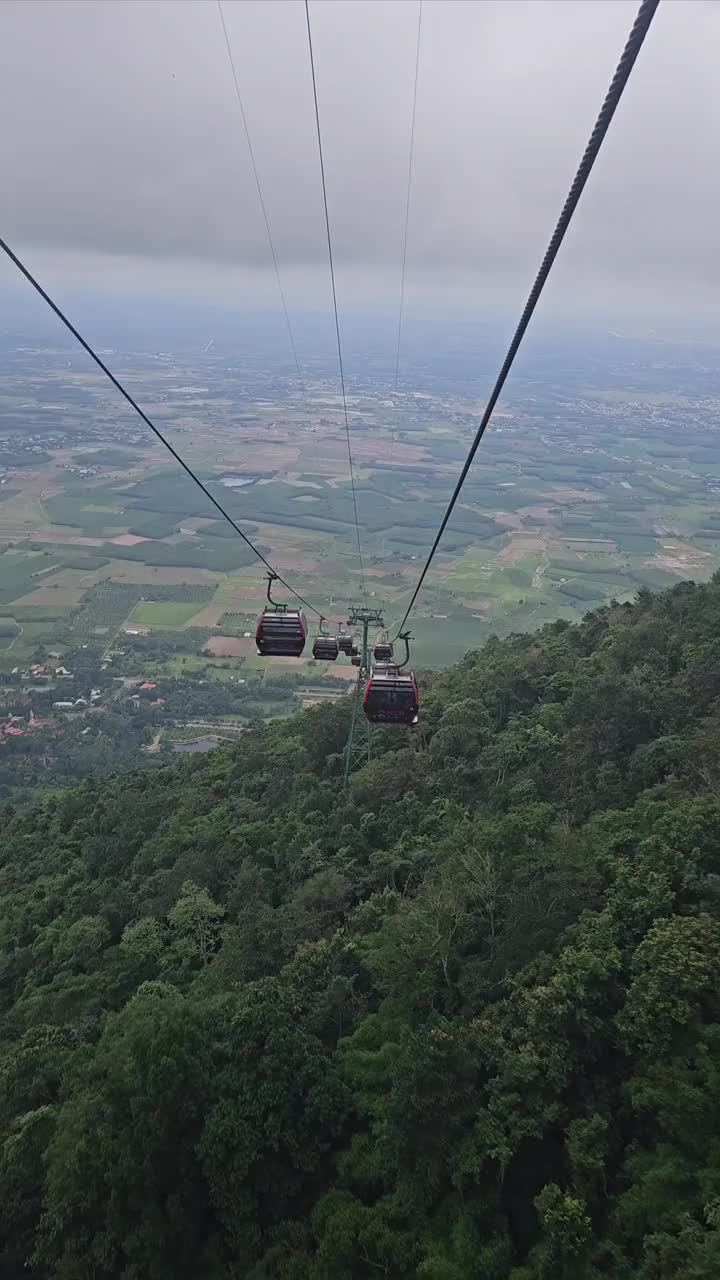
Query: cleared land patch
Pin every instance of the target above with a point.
(231, 646)
(61, 596)
(210, 616)
(167, 613)
(521, 544)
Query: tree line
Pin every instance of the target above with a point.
(458, 1020)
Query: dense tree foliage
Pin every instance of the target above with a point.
(460, 1020)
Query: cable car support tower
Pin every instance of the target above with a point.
(358, 747)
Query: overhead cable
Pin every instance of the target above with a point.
(401, 308)
(141, 413)
(407, 197)
(634, 43)
(334, 296)
(263, 207)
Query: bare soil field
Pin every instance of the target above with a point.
(263, 456)
(316, 698)
(232, 646)
(64, 536)
(575, 495)
(588, 544)
(57, 596)
(537, 513)
(482, 605)
(208, 617)
(510, 519)
(373, 450)
(171, 575)
(521, 544)
(677, 548)
(291, 560)
(679, 558)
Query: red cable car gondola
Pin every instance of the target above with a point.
(345, 642)
(391, 697)
(391, 694)
(280, 631)
(325, 647)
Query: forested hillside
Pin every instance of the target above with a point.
(460, 1022)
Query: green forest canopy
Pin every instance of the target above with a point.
(459, 1022)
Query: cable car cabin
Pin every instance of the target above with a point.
(391, 696)
(383, 652)
(325, 648)
(281, 632)
(345, 644)
(356, 660)
(353, 651)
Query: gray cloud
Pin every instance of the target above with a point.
(122, 140)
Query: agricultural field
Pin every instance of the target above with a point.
(577, 496)
(164, 614)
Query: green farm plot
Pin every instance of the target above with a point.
(576, 589)
(47, 613)
(150, 524)
(483, 574)
(222, 669)
(151, 508)
(220, 555)
(636, 543)
(88, 513)
(170, 493)
(17, 573)
(10, 629)
(102, 611)
(170, 614)
(21, 649)
(236, 623)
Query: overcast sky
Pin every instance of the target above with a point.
(124, 160)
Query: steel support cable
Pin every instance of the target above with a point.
(407, 198)
(141, 414)
(334, 295)
(634, 43)
(263, 207)
(401, 309)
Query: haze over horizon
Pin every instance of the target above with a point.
(138, 182)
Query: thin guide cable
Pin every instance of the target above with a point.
(401, 308)
(263, 207)
(634, 44)
(407, 198)
(141, 414)
(334, 296)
